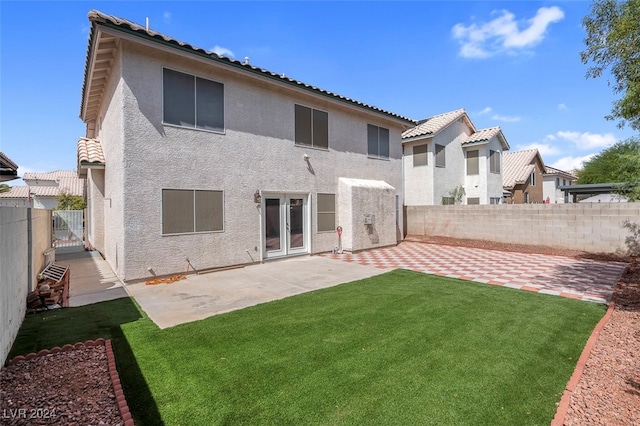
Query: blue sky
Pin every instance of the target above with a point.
(514, 64)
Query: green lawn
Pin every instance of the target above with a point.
(399, 348)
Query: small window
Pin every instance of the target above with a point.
(326, 212)
(532, 178)
(473, 162)
(312, 127)
(526, 198)
(473, 200)
(191, 101)
(495, 200)
(448, 201)
(440, 156)
(186, 211)
(557, 181)
(420, 155)
(494, 161)
(377, 141)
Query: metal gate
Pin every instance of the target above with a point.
(68, 228)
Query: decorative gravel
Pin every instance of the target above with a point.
(65, 388)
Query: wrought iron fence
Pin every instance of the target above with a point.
(68, 228)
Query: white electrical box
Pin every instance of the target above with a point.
(369, 219)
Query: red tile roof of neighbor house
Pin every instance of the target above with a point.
(432, 125)
(553, 171)
(49, 184)
(100, 19)
(517, 166)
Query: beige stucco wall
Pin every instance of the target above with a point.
(592, 227)
(256, 152)
(41, 223)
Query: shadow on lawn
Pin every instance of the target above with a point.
(59, 327)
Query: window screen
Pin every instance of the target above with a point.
(420, 155)
(494, 160)
(191, 101)
(187, 211)
(326, 212)
(312, 127)
(440, 156)
(473, 200)
(473, 163)
(377, 141)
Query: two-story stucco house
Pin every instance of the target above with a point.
(523, 177)
(192, 155)
(446, 152)
(553, 179)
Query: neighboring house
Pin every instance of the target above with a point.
(192, 155)
(445, 152)
(8, 169)
(606, 198)
(553, 179)
(42, 189)
(523, 177)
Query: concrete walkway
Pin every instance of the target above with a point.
(202, 296)
(92, 279)
(583, 279)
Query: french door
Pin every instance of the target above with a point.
(285, 223)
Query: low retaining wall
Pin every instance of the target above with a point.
(590, 227)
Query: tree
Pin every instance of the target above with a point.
(67, 201)
(613, 42)
(619, 163)
(4, 187)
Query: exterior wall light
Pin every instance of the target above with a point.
(257, 198)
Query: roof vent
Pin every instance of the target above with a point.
(246, 60)
(147, 23)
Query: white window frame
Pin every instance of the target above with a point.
(444, 155)
(319, 212)
(377, 155)
(295, 130)
(194, 191)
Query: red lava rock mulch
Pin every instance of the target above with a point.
(72, 385)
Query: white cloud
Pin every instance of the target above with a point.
(571, 163)
(586, 140)
(505, 118)
(222, 51)
(562, 107)
(545, 149)
(167, 17)
(487, 110)
(503, 33)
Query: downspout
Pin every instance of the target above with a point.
(29, 251)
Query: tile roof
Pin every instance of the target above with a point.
(432, 125)
(90, 152)
(517, 166)
(6, 163)
(98, 18)
(49, 184)
(485, 135)
(548, 170)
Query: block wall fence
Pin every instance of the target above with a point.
(590, 227)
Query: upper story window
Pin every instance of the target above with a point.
(494, 161)
(532, 178)
(191, 101)
(420, 155)
(440, 156)
(312, 127)
(473, 162)
(377, 141)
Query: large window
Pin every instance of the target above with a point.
(473, 162)
(326, 212)
(420, 155)
(377, 141)
(191, 101)
(440, 158)
(494, 161)
(187, 211)
(312, 127)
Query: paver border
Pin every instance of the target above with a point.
(123, 407)
(565, 401)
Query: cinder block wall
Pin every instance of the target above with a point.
(14, 258)
(591, 227)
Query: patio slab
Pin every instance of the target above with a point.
(201, 296)
(583, 279)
